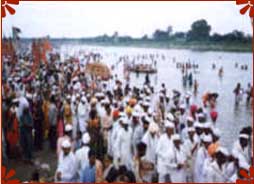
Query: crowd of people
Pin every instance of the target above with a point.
(107, 131)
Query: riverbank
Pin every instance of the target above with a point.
(196, 46)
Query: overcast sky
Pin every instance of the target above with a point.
(84, 19)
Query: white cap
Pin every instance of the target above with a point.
(191, 129)
(182, 106)
(188, 94)
(107, 101)
(150, 111)
(200, 115)
(86, 138)
(207, 138)
(68, 97)
(207, 125)
(169, 124)
(29, 95)
(54, 87)
(170, 117)
(53, 93)
(68, 127)
(83, 99)
(124, 120)
(198, 125)
(75, 79)
(103, 101)
(135, 114)
(66, 143)
(223, 150)
(146, 104)
(122, 114)
(76, 87)
(190, 119)
(15, 100)
(176, 137)
(216, 132)
(99, 94)
(244, 136)
(148, 119)
(153, 127)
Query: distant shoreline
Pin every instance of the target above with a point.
(194, 46)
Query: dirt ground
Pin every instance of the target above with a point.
(24, 170)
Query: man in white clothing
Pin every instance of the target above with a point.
(164, 150)
(242, 166)
(151, 138)
(74, 105)
(189, 123)
(138, 131)
(202, 155)
(241, 149)
(82, 114)
(82, 153)
(66, 168)
(178, 161)
(217, 170)
(123, 153)
(190, 147)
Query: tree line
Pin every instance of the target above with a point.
(200, 31)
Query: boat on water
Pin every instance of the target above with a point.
(98, 69)
(142, 68)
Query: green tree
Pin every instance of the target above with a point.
(170, 30)
(160, 35)
(145, 37)
(200, 31)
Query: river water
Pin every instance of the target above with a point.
(231, 118)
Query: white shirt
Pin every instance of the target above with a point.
(151, 144)
(138, 133)
(240, 153)
(199, 163)
(82, 116)
(188, 146)
(163, 151)
(215, 174)
(67, 167)
(178, 157)
(81, 156)
(123, 147)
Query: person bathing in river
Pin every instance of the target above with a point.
(195, 87)
(249, 92)
(238, 93)
(221, 72)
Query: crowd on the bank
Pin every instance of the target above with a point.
(109, 131)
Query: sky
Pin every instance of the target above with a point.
(86, 19)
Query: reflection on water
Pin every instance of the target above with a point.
(231, 118)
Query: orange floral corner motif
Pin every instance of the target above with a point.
(248, 6)
(248, 178)
(6, 7)
(6, 177)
